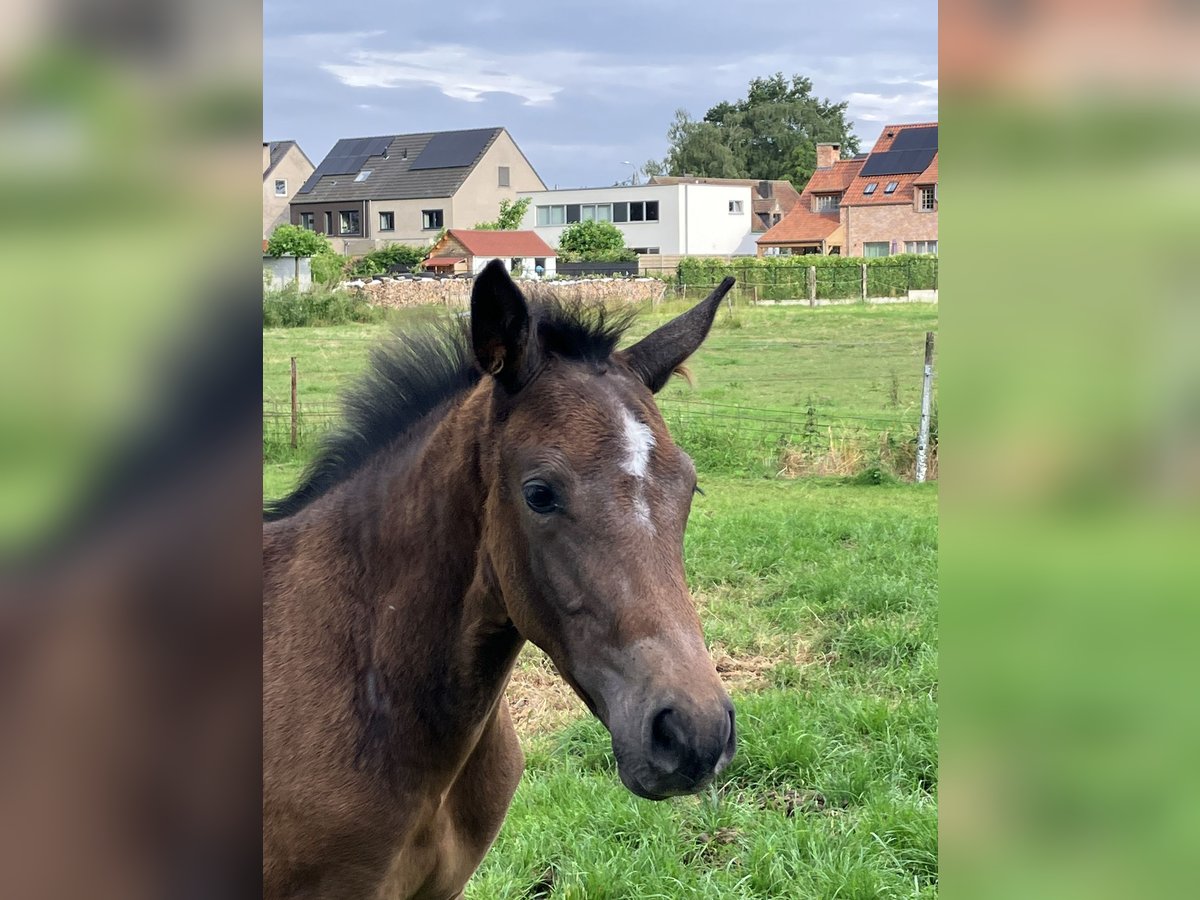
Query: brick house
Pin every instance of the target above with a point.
(875, 205)
(406, 188)
(465, 251)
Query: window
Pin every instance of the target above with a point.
(870, 188)
(644, 251)
(348, 221)
(503, 176)
(573, 213)
(642, 211)
(835, 250)
(308, 220)
(387, 221)
(431, 219)
(826, 202)
(620, 212)
(928, 198)
(921, 247)
(515, 264)
(735, 207)
(539, 264)
(363, 175)
(280, 187)
(329, 223)
(891, 186)
(596, 212)
(551, 215)
(876, 248)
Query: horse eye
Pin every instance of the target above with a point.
(540, 497)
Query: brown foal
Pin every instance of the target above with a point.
(508, 482)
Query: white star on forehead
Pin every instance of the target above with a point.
(639, 441)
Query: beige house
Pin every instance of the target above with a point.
(406, 188)
(285, 169)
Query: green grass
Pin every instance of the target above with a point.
(828, 584)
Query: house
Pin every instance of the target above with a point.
(406, 188)
(770, 201)
(878, 204)
(677, 218)
(285, 168)
(466, 251)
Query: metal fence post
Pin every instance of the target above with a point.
(812, 285)
(295, 406)
(864, 281)
(926, 398)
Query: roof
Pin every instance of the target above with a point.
(835, 178)
(399, 166)
(780, 195)
(501, 243)
(443, 260)
(278, 150)
(802, 226)
(903, 136)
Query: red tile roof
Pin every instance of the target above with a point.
(501, 243)
(903, 195)
(801, 225)
(834, 178)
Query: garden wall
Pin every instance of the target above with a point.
(456, 292)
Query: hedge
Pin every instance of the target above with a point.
(838, 277)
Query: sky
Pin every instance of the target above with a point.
(581, 90)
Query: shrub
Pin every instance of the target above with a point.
(838, 277)
(328, 268)
(293, 308)
(292, 240)
(511, 214)
(377, 262)
(593, 242)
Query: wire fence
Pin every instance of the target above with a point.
(720, 437)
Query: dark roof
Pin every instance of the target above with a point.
(279, 150)
(401, 166)
(918, 143)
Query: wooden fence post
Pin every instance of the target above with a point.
(295, 406)
(926, 399)
(812, 285)
(864, 281)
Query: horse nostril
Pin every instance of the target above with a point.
(666, 740)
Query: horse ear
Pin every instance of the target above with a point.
(659, 353)
(500, 326)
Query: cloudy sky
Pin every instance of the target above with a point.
(581, 90)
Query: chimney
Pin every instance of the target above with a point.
(828, 154)
(764, 189)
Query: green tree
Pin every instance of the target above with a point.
(292, 240)
(593, 242)
(511, 214)
(770, 133)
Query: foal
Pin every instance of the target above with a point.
(459, 516)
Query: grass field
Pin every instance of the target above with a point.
(818, 598)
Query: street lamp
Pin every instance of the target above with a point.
(633, 179)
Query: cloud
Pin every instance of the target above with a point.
(458, 72)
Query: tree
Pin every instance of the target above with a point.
(770, 133)
(292, 240)
(511, 214)
(593, 242)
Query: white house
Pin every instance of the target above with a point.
(672, 219)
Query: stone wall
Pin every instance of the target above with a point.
(456, 292)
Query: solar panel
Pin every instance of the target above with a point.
(916, 138)
(899, 162)
(452, 149)
(347, 155)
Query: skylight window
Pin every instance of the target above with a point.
(870, 188)
(891, 187)
(363, 175)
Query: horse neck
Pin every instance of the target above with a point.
(435, 645)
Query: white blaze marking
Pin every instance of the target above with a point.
(639, 441)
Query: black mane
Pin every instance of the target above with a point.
(416, 372)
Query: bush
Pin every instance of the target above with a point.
(292, 240)
(293, 308)
(593, 242)
(380, 261)
(838, 277)
(328, 268)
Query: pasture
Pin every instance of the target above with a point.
(819, 603)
